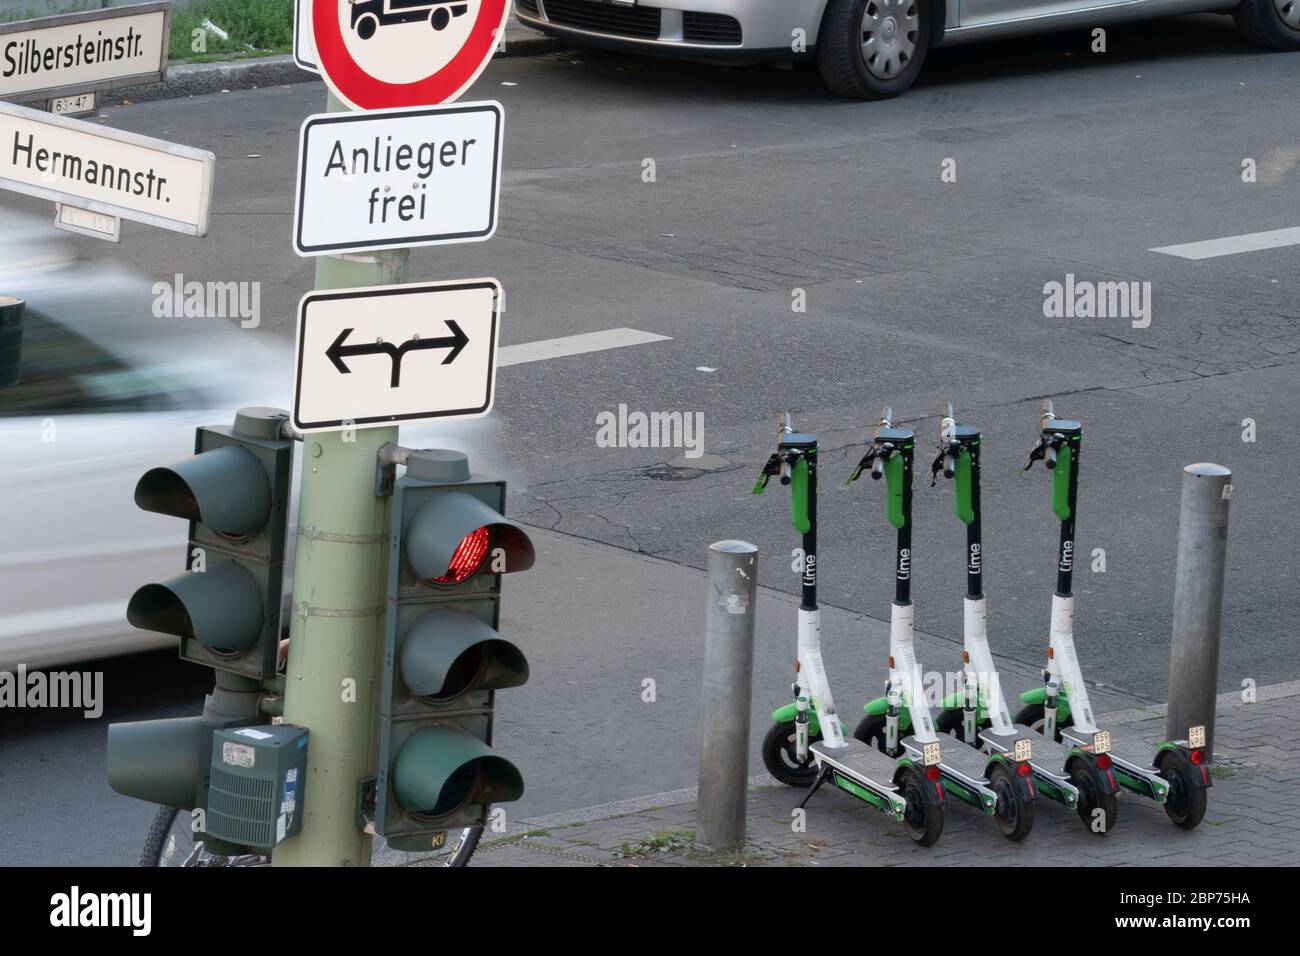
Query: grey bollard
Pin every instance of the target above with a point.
(1198, 602)
(728, 674)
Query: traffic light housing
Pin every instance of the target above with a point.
(444, 659)
(225, 608)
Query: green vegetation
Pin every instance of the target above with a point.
(672, 841)
(253, 28)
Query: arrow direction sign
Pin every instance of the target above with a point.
(386, 179)
(455, 342)
(83, 52)
(105, 170)
(397, 353)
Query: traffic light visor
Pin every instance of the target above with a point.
(221, 608)
(226, 489)
(449, 652)
(441, 769)
(454, 536)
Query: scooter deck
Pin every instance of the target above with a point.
(1133, 760)
(859, 761)
(1137, 753)
(865, 772)
(1047, 759)
(965, 766)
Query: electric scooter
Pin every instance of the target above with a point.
(807, 744)
(999, 783)
(1173, 773)
(978, 713)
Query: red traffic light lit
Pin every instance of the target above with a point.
(467, 558)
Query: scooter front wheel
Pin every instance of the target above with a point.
(1185, 804)
(1014, 814)
(871, 731)
(1031, 715)
(953, 722)
(781, 758)
(924, 817)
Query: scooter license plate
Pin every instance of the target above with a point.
(1196, 736)
(930, 754)
(1101, 742)
(1023, 750)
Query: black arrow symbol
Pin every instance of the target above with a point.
(338, 351)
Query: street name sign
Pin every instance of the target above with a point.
(398, 353)
(378, 54)
(84, 52)
(105, 170)
(388, 179)
(304, 50)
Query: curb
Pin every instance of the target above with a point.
(199, 79)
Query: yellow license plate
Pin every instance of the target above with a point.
(1101, 742)
(930, 754)
(1196, 736)
(1023, 750)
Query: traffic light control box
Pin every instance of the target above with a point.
(255, 792)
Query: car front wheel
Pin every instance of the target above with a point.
(1271, 24)
(874, 49)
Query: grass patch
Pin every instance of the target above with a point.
(1222, 773)
(253, 28)
(33, 13)
(671, 841)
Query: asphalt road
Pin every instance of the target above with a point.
(917, 291)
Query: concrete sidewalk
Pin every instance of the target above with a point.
(1251, 819)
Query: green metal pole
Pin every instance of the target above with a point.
(338, 603)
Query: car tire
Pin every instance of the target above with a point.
(891, 57)
(1271, 24)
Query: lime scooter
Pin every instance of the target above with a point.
(807, 744)
(978, 713)
(1173, 773)
(999, 783)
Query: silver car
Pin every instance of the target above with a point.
(871, 49)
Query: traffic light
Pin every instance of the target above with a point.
(443, 657)
(235, 493)
(226, 607)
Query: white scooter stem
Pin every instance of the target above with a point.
(905, 675)
(980, 668)
(1064, 664)
(813, 672)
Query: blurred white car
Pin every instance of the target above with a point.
(107, 392)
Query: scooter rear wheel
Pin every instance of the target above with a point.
(1098, 806)
(781, 760)
(1185, 804)
(1014, 815)
(924, 817)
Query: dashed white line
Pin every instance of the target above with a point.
(574, 345)
(1232, 245)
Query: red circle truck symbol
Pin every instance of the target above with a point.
(376, 54)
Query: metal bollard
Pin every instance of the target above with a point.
(1198, 601)
(728, 673)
